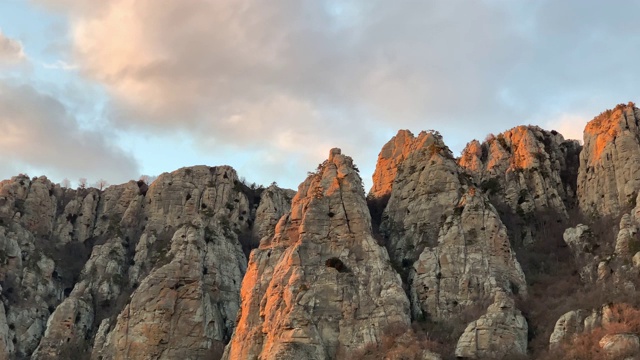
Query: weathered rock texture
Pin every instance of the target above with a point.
(609, 176)
(501, 332)
(443, 232)
(526, 171)
(163, 277)
(393, 153)
(615, 325)
(425, 191)
(608, 266)
(616, 345)
(321, 287)
(274, 203)
(472, 262)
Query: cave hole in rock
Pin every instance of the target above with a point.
(336, 263)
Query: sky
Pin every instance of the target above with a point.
(116, 89)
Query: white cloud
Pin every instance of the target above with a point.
(287, 76)
(60, 65)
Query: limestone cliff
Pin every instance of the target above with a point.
(609, 176)
(130, 270)
(321, 287)
(424, 267)
(444, 234)
(472, 262)
(426, 188)
(527, 171)
(501, 333)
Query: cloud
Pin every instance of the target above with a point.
(569, 125)
(38, 134)
(287, 76)
(60, 65)
(11, 50)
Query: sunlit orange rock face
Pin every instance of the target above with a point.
(321, 287)
(394, 152)
(526, 170)
(442, 230)
(423, 183)
(610, 162)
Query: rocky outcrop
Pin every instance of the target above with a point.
(527, 171)
(187, 269)
(32, 282)
(614, 324)
(174, 242)
(610, 266)
(472, 261)
(609, 176)
(426, 189)
(620, 345)
(321, 287)
(583, 244)
(527, 167)
(567, 326)
(274, 203)
(394, 153)
(501, 332)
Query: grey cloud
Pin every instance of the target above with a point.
(258, 73)
(11, 50)
(38, 134)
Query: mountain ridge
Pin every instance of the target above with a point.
(444, 254)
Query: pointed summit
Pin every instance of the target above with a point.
(308, 289)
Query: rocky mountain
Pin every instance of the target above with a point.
(527, 246)
(321, 287)
(609, 176)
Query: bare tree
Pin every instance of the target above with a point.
(65, 183)
(82, 183)
(101, 184)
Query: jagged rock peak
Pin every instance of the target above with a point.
(522, 147)
(395, 151)
(321, 287)
(609, 176)
(103, 266)
(527, 171)
(427, 184)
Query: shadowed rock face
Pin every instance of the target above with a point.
(426, 188)
(442, 230)
(526, 171)
(472, 261)
(501, 333)
(321, 287)
(135, 270)
(609, 176)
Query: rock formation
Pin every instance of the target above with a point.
(613, 325)
(609, 176)
(472, 262)
(425, 190)
(174, 243)
(321, 287)
(526, 171)
(159, 271)
(501, 332)
(274, 203)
